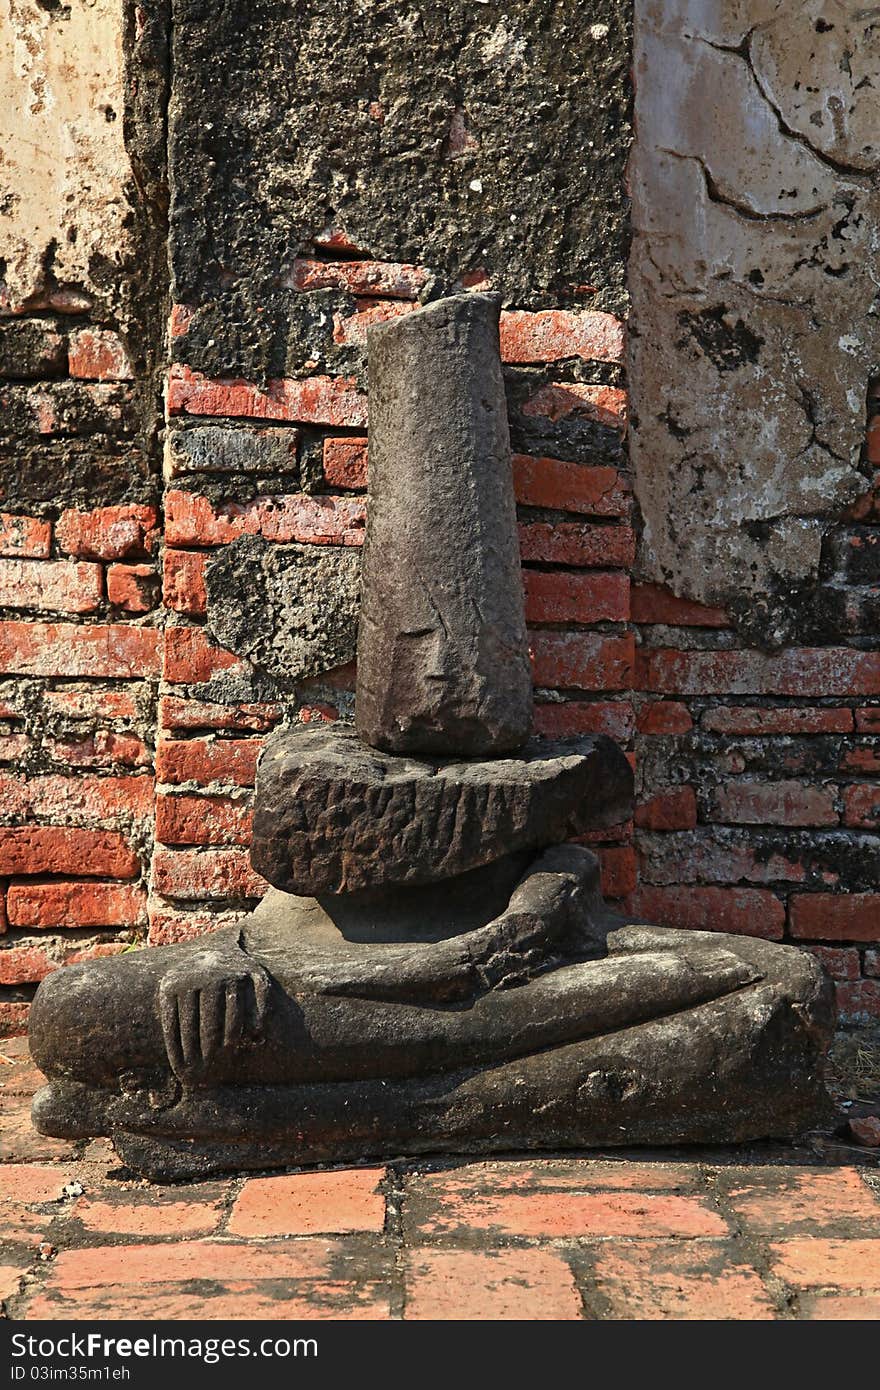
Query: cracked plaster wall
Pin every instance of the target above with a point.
(66, 214)
(754, 277)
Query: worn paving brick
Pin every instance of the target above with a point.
(236, 1301)
(435, 1211)
(10, 1278)
(802, 1200)
(489, 1285)
(216, 1279)
(19, 1141)
(840, 1308)
(153, 1213)
(215, 1259)
(310, 1203)
(31, 1182)
(583, 1175)
(817, 1262)
(694, 1280)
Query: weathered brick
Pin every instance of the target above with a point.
(36, 849)
(193, 520)
(862, 805)
(774, 803)
(76, 904)
(704, 855)
(183, 581)
(552, 334)
(206, 760)
(735, 719)
(672, 809)
(858, 1001)
(25, 536)
(606, 405)
(237, 449)
(88, 703)
(31, 1182)
(350, 330)
(496, 1285)
(865, 758)
(391, 278)
(841, 962)
(867, 507)
(836, 917)
(609, 834)
(133, 588)
(190, 657)
(831, 1307)
(167, 926)
(582, 660)
(618, 871)
(337, 239)
(664, 717)
(203, 875)
(14, 747)
(809, 1262)
(180, 319)
(187, 1260)
(577, 543)
(21, 965)
(569, 717)
(64, 409)
(97, 354)
(745, 911)
(318, 400)
(317, 714)
(85, 800)
(853, 552)
(304, 1204)
(153, 1214)
(868, 720)
(203, 820)
(14, 1024)
(107, 533)
(874, 440)
(671, 1280)
(652, 603)
(32, 350)
(872, 963)
(345, 462)
(801, 671)
(65, 649)
(59, 586)
(103, 748)
(778, 1201)
(175, 713)
(570, 487)
(438, 1210)
(590, 597)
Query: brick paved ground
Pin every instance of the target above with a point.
(783, 1235)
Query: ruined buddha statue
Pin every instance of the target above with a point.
(433, 968)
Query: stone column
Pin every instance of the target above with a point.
(443, 663)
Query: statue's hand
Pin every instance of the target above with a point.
(217, 1001)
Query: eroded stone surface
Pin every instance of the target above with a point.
(756, 206)
(333, 816)
(64, 151)
(443, 663)
(292, 610)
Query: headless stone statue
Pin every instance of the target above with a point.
(433, 968)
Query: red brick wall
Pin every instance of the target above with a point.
(129, 740)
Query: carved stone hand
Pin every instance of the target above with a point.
(214, 1002)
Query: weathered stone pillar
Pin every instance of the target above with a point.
(442, 656)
